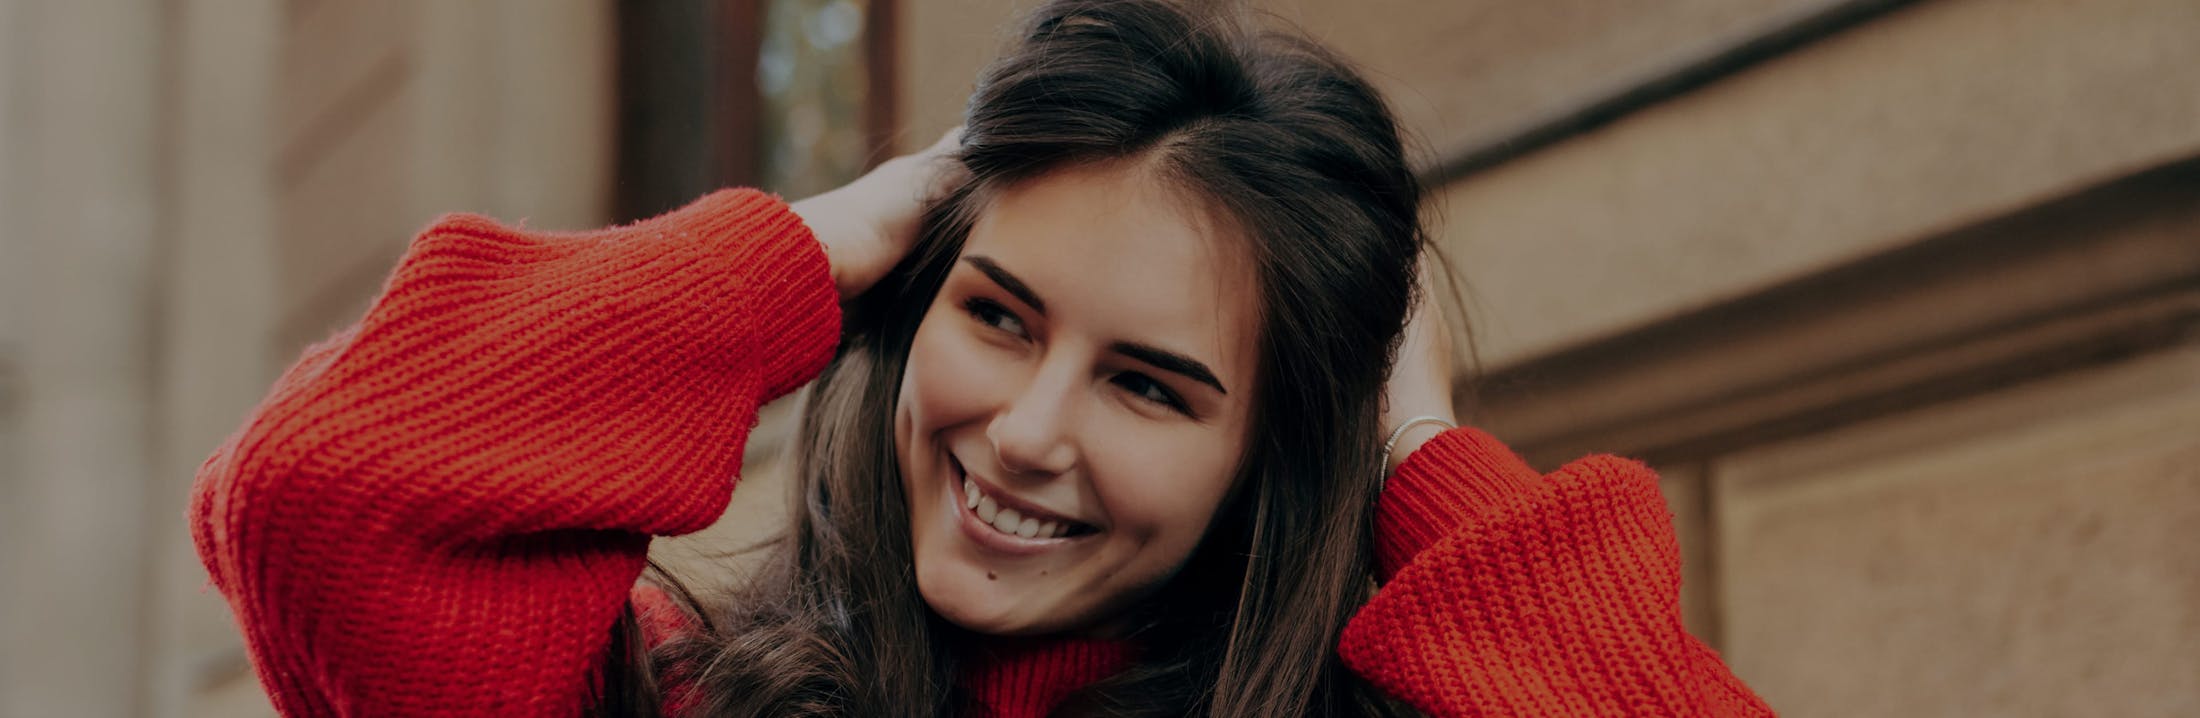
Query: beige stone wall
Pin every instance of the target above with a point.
(78, 203)
(191, 191)
(391, 113)
(943, 44)
(1928, 119)
(2029, 553)
(219, 305)
(1471, 73)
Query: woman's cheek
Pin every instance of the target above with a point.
(950, 375)
(1169, 489)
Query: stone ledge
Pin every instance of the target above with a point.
(1932, 118)
(2104, 273)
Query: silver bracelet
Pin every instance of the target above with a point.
(1391, 444)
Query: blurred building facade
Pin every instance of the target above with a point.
(1902, 297)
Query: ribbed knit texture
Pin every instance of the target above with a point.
(440, 510)
(1454, 477)
(1510, 594)
(1027, 678)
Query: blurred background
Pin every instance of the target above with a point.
(1902, 297)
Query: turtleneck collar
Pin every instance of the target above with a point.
(1029, 677)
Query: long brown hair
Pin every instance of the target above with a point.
(1301, 156)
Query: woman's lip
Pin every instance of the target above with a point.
(1005, 500)
(984, 535)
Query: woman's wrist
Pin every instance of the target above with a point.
(1411, 438)
(849, 244)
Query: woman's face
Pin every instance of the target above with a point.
(1076, 401)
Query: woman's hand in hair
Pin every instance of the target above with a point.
(867, 225)
(1420, 381)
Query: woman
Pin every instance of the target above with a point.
(1100, 436)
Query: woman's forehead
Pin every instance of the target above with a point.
(1113, 245)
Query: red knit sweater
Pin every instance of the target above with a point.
(441, 510)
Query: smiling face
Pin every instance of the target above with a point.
(1076, 401)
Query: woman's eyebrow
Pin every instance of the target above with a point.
(1008, 282)
(1171, 362)
(1160, 358)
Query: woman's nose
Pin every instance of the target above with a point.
(1032, 434)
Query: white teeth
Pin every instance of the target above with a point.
(1006, 520)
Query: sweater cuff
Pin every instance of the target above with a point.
(798, 322)
(1455, 476)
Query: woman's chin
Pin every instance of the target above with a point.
(989, 609)
(992, 616)
(985, 625)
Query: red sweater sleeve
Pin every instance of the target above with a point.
(1512, 594)
(441, 510)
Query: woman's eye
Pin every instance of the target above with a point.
(1146, 388)
(994, 315)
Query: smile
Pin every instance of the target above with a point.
(1007, 520)
(995, 519)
